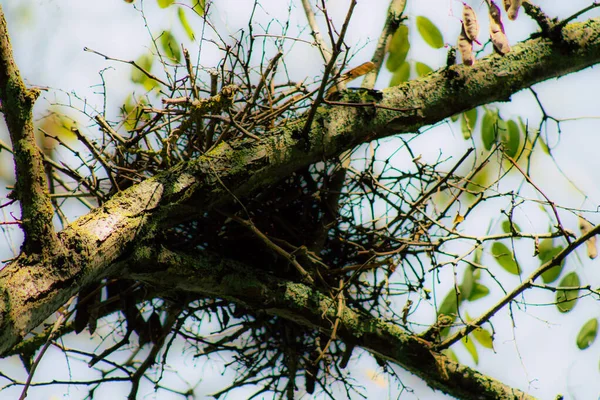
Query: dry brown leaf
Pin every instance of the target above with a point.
(585, 227)
(470, 24)
(513, 11)
(465, 47)
(497, 30)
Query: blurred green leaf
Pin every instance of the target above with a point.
(566, 299)
(422, 69)
(430, 33)
(450, 354)
(547, 251)
(505, 258)
(489, 129)
(401, 75)
(468, 121)
(587, 334)
(170, 46)
(185, 23)
(199, 6)
(479, 291)
(454, 118)
(164, 3)
(398, 49)
(145, 61)
(470, 346)
(512, 140)
(468, 282)
(506, 226)
(484, 338)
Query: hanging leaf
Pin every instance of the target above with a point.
(512, 139)
(398, 49)
(547, 251)
(489, 129)
(587, 334)
(470, 346)
(566, 299)
(507, 229)
(170, 46)
(468, 282)
(465, 47)
(470, 24)
(450, 354)
(185, 23)
(585, 227)
(505, 258)
(401, 75)
(484, 338)
(479, 291)
(165, 3)
(430, 33)
(468, 121)
(422, 69)
(145, 62)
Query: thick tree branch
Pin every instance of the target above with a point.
(31, 291)
(199, 273)
(31, 187)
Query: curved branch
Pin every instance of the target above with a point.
(201, 273)
(31, 187)
(31, 290)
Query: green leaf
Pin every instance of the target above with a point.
(479, 291)
(566, 299)
(489, 129)
(468, 282)
(422, 69)
(401, 75)
(399, 46)
(468, 121)
(547, 251)
(145, 61)
(164, 3)
(470, 346)
(170, 46)
(185, 23)
(430, 33)
(199, 7)
(484, 338)
(505, 258)
(587, 334)
(512, 140)
(454, 118)
(450, 304)
(450, 354)
(506, 226)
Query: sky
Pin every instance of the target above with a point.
(539, 355)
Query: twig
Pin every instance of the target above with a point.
(142, 70)
(392, 21)
(527, 283)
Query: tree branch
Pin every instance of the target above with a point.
(201, 273)
(31, 187)
(31, 291)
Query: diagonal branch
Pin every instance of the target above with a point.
(215, 276)
(31, 188)
(31, 291)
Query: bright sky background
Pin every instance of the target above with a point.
(538, 356)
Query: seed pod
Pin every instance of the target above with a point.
(470, 24)
(585, 227)
(507, 5)
(513, 11)
(465, 46)
(497, 30)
